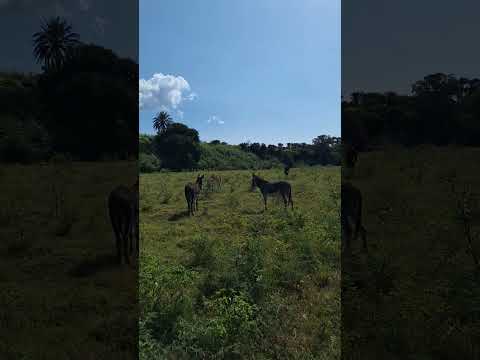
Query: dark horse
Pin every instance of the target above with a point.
(351, 216)
(123, 210)
(350, 155)
(267, 188)
(191, 194)
(286, 170)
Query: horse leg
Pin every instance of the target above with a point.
(137, 235)
(118, 244)
(126, 238)
(364, 238)
(265, 201)
(345, 238)
(116, 231)
(284, 197)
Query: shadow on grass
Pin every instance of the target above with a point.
(178, 216)
(93, 266)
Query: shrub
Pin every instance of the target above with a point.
(148, 163)
(225, 330)
(166, 295)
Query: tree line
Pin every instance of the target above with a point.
(83, 104)
(175, 146)
(442, 109)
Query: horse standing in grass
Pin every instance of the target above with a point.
(214, 183)
(286, 170)
(123, 211)
(350, 155)
(192, 191)
(267, 188)
(351, 216)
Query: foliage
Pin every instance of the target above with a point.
(162, 121)
(222, 156)
(243, 284)
(226, 157)
(53, 43)
(148, 163)
(178, 147)
(23, 142)
(441, 109)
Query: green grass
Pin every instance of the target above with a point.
(417, 292)
(233, 281)
(61, 294)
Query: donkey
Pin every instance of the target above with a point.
(266, 188)
(191, 194)
(350, 155)
(214, 183)
(123, 210)
(351, 216)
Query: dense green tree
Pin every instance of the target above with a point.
(178, 147)
(91, 102)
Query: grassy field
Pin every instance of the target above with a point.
(235, 282)
(62, 296)
(416, 295)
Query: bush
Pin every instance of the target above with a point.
(148, 163)
(226, 331)
(22, 141)
(166, 295)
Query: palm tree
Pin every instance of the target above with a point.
(52, 44)
(162, 121)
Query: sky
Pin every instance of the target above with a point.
(388, 45)
(252, 70)
(109, 23)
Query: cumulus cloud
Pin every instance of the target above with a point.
(214, 119)
(164, 92)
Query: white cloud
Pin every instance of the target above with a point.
(214, 119)
(164, 91)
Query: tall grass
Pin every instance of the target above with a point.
(237, 282)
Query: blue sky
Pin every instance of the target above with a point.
(250, 70)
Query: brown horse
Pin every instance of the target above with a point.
(123, 211)
(351, 216)
(267, 188)
(192, 191)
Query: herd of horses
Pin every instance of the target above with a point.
(282, 188)
(124, 208)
